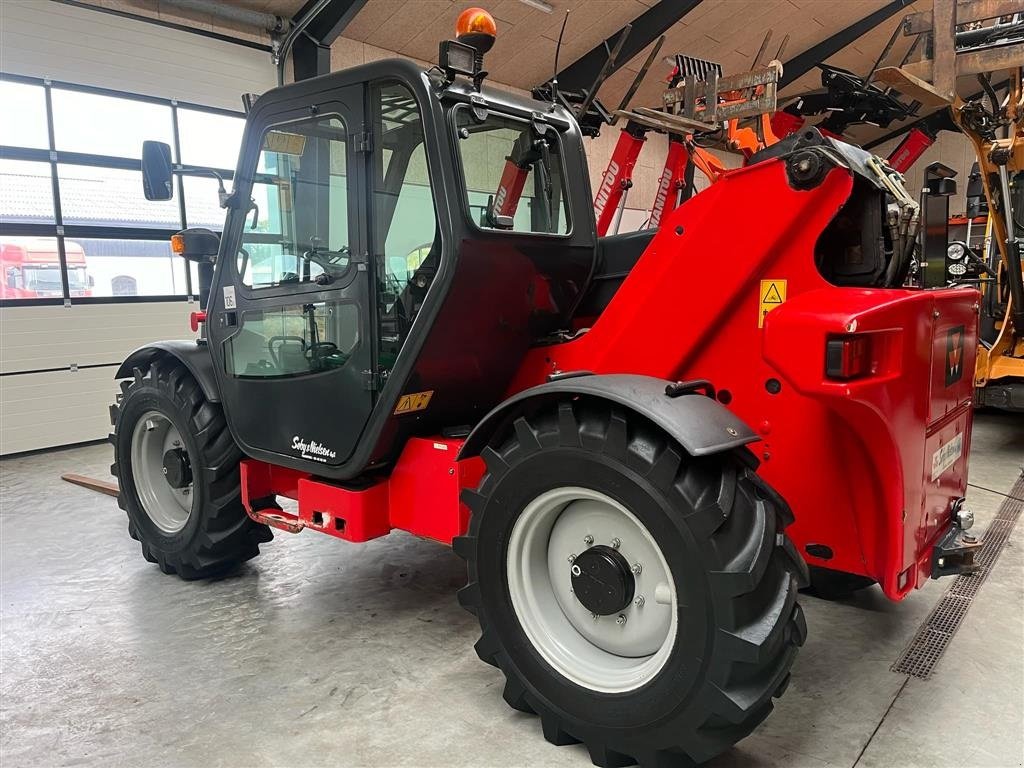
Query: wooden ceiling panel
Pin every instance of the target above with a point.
(729, 32)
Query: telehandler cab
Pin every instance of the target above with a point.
(635, 495)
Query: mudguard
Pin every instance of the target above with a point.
(698, 423)
(193, 355)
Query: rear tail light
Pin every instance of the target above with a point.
(848, 357)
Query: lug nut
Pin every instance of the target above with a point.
(616, 543)
(621, 621)
(639, 602)
(572, 558)
(588, 539)
(636, 569)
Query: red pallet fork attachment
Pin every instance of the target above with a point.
(420, 496)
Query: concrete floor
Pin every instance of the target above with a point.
(324, 653)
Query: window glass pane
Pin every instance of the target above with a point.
(126, 267)
(202, 205)
(301, 232)
(513, 174)
(26, 192)
(111, 197)
(209, 139)
(31, 269)
(28, 129)
(294, 340)
(104, 125)
(404, 219)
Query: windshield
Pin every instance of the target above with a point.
(301, 213)
(45, 277)
(513, 173)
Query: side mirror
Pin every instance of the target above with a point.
(157, 176)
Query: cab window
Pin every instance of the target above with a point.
(404, 220)
(297, 232)
(512, 171)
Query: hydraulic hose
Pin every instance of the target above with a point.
(1014, 276)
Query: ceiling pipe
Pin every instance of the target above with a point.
(275, 25)
(281, 53)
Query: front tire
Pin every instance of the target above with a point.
(718, 577)
(177, 470)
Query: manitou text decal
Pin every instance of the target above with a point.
(659, 201)
(606, 188)
(954, 355)
(946, 456)
(312, 450)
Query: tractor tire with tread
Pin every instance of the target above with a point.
(720, 528)
(218, 534)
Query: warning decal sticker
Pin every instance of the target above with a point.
(416, 401)
(773, 293)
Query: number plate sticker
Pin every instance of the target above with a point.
(229, 297)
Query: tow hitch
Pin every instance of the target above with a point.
(954, 554)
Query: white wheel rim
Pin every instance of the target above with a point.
(610, 654)
(169, 508)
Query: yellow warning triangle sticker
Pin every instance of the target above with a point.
(771, 296)
(773, 293)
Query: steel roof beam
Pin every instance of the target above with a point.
(646, 28)
(800, 65)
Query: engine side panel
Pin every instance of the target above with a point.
(849, 457)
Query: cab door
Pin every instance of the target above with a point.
(290, 323)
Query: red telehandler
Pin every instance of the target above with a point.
(638, 499)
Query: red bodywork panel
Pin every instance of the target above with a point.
(420, 496)
(853, 459)
(870, 465)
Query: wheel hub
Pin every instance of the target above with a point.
(177, 470)
(162, 472)
(591, 589)
(602, 581)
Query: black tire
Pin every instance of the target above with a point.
(835, 585)
(720, 529)
(218, 534)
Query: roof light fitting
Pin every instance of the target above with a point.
(540, 5)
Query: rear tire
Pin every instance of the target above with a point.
(199, 528)
(734, 575)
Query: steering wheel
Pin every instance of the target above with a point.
(327, 259)
(276, 339)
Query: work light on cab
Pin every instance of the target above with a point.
(475, 33)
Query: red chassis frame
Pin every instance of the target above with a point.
(871, 467)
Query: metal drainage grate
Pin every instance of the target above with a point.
(920, 657)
